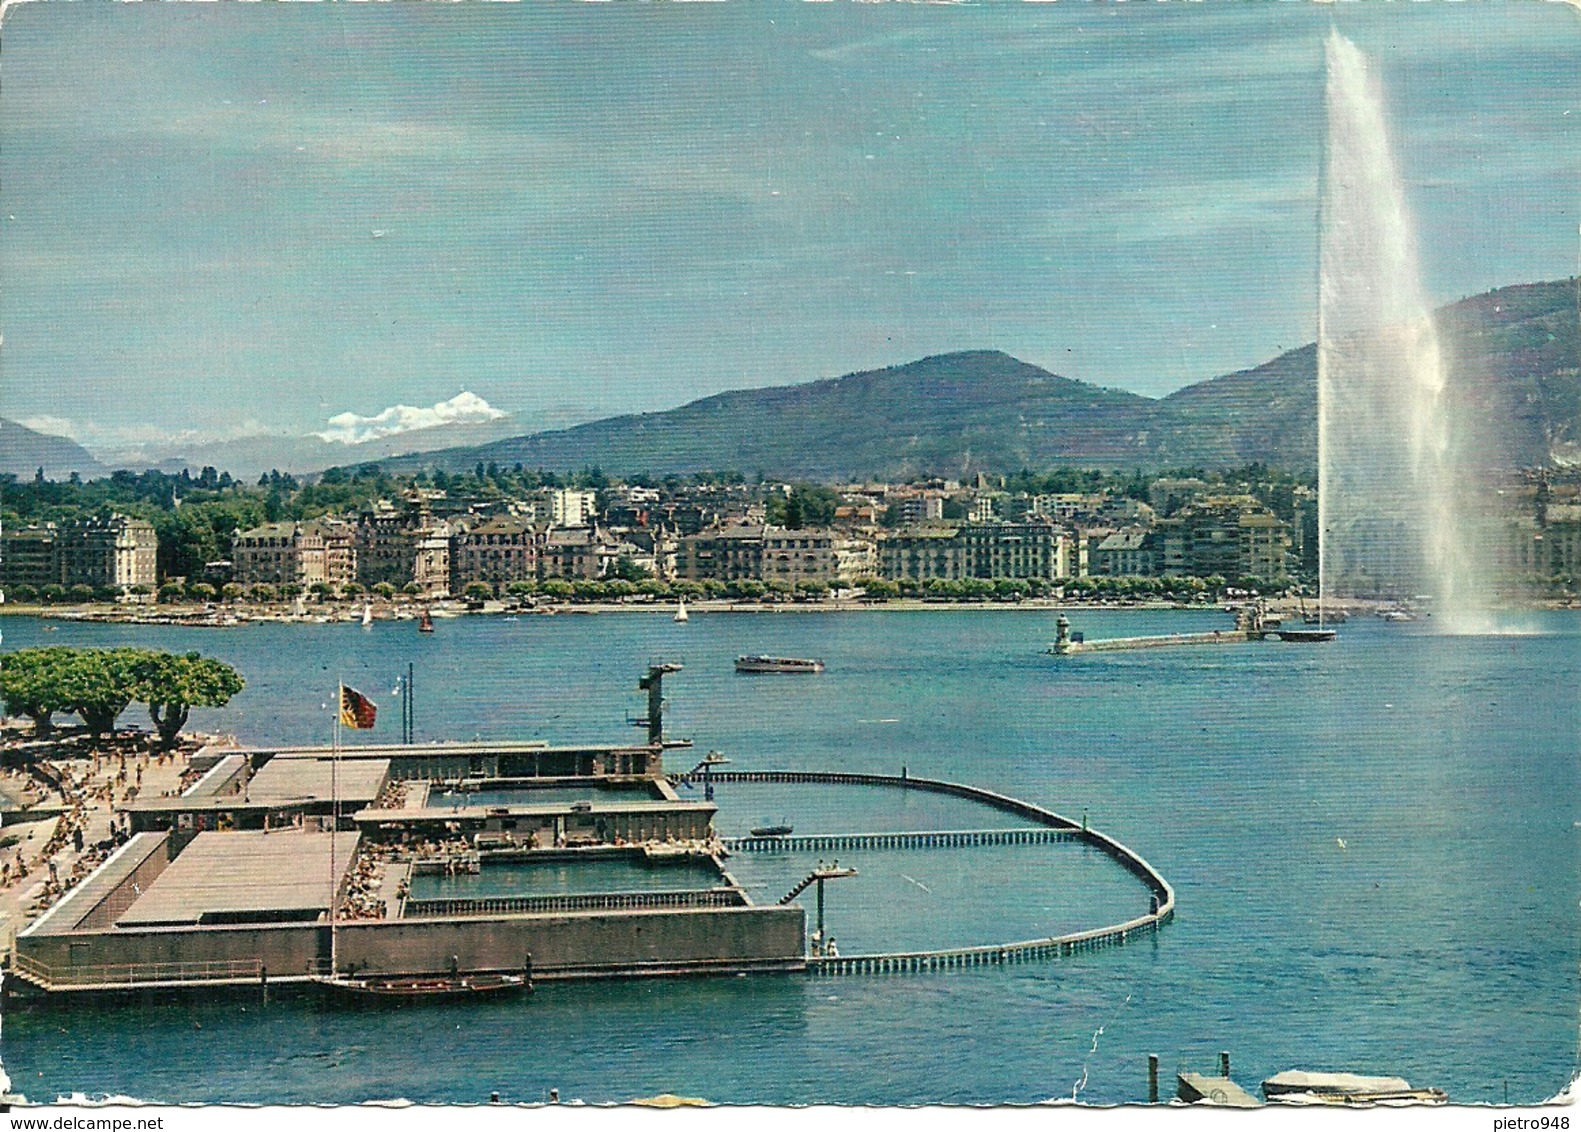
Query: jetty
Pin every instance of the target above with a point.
(1251, 624)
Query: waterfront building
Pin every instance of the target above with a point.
(321, 551)
(1129, 553)
(496, 552)
(803, 555)
(327, 552)
(31, 556)
(266, 554)
(404, 545)
(1234, 537)
(725, 554)
(976, 550)
(114, 552)
(573, 553)
(921, 554)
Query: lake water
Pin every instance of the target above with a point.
(1373, 842)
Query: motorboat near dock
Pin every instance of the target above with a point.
(778, 664)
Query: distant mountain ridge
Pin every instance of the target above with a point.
(24, 451)
(1514, 354)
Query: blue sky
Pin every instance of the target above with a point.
(230, 217)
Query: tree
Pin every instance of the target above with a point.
(81, 592)
(98, 684)
(24, 593)
(521, 588)
(877, 589)
(173, 685)
(478, 591)
(384, 590)
(230, 591)
(262, 591)
(352, 589)
(628, 569)
(201, 591)
(30, 685)
(557, 588)
(172, 591)
(412, 589)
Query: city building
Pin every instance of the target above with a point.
(113, 552)
(570, 507)
(30, 556)
(726, 554)
(496, 552)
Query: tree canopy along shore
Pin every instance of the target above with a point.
(97, 685)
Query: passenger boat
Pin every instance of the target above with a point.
(430, 988)
(777, 664)
(425, 623)
(773, 831)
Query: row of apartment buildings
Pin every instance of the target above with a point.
(111, 552)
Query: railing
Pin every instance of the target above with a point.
(573, 902)
(922, 839)
(111, 975)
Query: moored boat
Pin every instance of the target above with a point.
(773, 831)
(1296, 1086)
(429, 988)
(1305, 636)
(425, 623)
(777, 664)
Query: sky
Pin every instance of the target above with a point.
(222, 219)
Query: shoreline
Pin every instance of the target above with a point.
(217, 615)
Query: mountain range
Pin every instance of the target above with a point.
(24, 451)
(1512, 355)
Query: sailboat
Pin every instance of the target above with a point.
(367, 615)
(680, 612)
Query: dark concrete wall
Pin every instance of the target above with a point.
(611, 943)
(585, 943)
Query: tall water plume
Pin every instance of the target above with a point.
(1390, 500)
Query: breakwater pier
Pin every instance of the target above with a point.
(1044, 827)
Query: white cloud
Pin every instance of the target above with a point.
(463, 408)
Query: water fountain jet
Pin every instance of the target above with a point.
(1392, 519)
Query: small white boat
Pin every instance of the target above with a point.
(367, 614)
(680, 612)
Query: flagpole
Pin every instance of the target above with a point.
(334, 809)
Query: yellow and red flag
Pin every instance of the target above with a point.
(356, 710)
